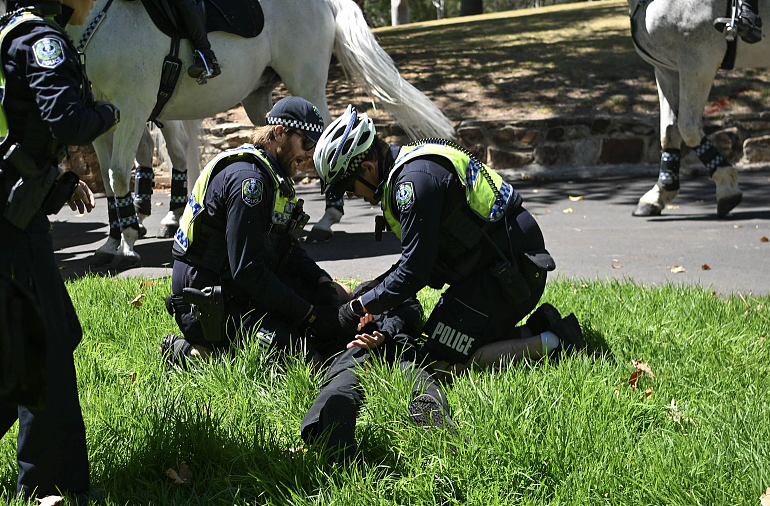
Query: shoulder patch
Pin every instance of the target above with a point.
(48, 52)
(251, 191)
(405, 196)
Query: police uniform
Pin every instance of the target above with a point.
(47, 105)
(237, 232)
(453, 235)
(332, 416)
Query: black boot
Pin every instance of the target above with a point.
(749, 23)
(193, 14)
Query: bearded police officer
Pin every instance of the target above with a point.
(459, 224)
(238, 263)
(46, 105)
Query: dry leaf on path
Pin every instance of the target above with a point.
(306, 180)
(672, 207)
(137, 302)
(763, 239)
(705, 267)
(676, 269)
(567, 211)
(575, 199)
(536, 191)
(52, 500)
(764, 499)
(616, 266)
(147, 283)
(158, 204)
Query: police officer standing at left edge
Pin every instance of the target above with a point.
(46, 106)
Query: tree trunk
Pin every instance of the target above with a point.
(399, 12)
(470, 7)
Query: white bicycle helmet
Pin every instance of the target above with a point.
(342, 147)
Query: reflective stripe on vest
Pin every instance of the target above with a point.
(17, 20)
(479, 193)
(282, 207)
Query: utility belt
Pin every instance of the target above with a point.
(47, 188)
(207, 306)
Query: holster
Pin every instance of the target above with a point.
(511, 280)
(208, 305)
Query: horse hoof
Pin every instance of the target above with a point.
(101, 258)
(166, 231)
(727, 204)
(318, 235)
(646, 210)
(121, 262)
(142, 231)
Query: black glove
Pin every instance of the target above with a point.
(348, 317)
(326, 294)
(324, 322)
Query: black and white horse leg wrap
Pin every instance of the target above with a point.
(668, 178)
(112, 215)
(178, 189)
(143, 184)
(709, 156)
(126, 212)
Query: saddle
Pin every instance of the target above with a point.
(239, 17)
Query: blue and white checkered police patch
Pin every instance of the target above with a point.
(251, 191)
(405, 196)
(48, 53)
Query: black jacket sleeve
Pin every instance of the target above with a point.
(247, 222)
(420, 221)
(57, 84)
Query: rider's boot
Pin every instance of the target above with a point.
(748, 22)
(193, 13)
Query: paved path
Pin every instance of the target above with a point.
(598, 239)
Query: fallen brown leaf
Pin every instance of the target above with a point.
(147, 283)
(648, 393)
(643, 367)
(705, 267)
(174, 476)
(306, 180)
(672, 207)
(634, 379)
(132, 375)
(567, 211)
(616, 266)
(714, 293)
(763, 239)
(575, 199)
(137, 302)
(52, 500)
(764, 499)
(185, 472)
(676, 269)
(158, 204)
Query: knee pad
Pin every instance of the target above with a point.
(668, 178)
(178, 189)
(709, 156)
(143, 185)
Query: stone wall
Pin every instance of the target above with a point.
(548, 148)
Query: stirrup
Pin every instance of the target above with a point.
(728, 27)
(209, 72)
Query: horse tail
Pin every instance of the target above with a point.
(371, 68)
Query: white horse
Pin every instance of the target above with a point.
(124, 59)
(678, 38)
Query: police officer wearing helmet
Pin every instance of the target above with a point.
(46, 106)
(459, 224)
(237, 255)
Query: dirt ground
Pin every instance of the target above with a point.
(564, 60)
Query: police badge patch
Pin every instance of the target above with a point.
(251, 191)
(48, 53)
(405, 196)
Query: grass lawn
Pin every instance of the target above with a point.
(573, 432)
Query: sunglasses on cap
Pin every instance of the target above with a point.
(307, 142)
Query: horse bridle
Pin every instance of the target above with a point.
(91, 28)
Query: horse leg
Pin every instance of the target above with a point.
(143, 179)
(126, 142)
(666, 189)
(106, 252)
(690, 126)
(176, 144)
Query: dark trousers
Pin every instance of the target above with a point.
(333, 414)
(51, 447)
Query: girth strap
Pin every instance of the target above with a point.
(172, 67)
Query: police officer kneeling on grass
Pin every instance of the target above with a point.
(46, 105)
(239, 267)
(459, 224)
